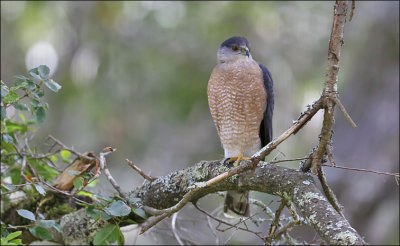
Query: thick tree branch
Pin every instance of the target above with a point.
(166, 191)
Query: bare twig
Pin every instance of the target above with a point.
(395, 175)
(226, 223)
(331, 78)
(140, 171)
(63, 146)
(275, 222)
(107, 173)
(353, 6)
(287, 160)
(344, 111)
(330, 155)
(328, 191)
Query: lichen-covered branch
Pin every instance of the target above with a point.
(166, 191)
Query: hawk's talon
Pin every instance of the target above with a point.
(237, 159)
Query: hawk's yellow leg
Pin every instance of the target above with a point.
(238, 159)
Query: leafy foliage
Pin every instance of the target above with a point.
(22, 108)
(27, 170)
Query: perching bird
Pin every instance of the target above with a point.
(241, 100)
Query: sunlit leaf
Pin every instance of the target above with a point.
(26, 214)
(93, 183)
(15, 126)
(13, 235)
(21, 115)
(65, 154)
(85, 193)
(11, 97)
(53, 158)
(19, 85)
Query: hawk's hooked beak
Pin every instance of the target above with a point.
(245, 51)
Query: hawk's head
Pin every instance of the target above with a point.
(234, 49)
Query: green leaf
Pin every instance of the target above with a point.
(40, 115)
(85, 193)
(13, 235)
(34, 72)
(20, 106)
(30, 85)
(19, 85)
(65, 154)
(121, 238)
(53, 158)
(43, 71)
(3, 113)
(40, 232)
(109, 233)
(52, 85)
(15, 242)
(19, 79)
(78, 182)
(15, 126)
(46, 171)
(21, 115)
(35, 103)
(140, 212)
(49, 224)
(95, 213)
(93, 183)
(118, 208)
(15, 176)
(40, 189)
(39, 93)
(130, 221)
(26, 214)
(11, 97)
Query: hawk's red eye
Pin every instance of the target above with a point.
(235, 48)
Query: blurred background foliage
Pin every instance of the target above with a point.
(134, 77)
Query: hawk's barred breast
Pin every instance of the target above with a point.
(237, 100)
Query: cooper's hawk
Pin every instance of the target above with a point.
(241, 101)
